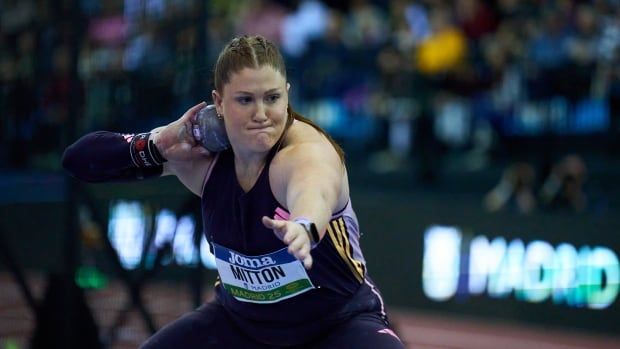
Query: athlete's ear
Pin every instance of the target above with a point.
(217, 100)
(288, 86)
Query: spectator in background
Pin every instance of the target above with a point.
(100, 67)
(475, 19)
(445, 48)
(185, 80)
(565, 185)
(364, 31)
(60, 93)
(583, 49)
(16, 123)
(394, 94)
(219, 27)
(417, 23)
(17, 15)
(264, 17)
(517, 185)
(500, 78)
(365, 25)
(323, 74)
(307, 23)
(547, 54)
(19, 92)
(154, 73)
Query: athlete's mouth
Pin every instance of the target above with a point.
(259, 128)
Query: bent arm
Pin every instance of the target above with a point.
(104, 156)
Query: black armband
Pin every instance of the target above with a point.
(109, 157)
(143, 151)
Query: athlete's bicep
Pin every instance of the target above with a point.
(311, 179)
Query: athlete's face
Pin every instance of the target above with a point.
(254, 105)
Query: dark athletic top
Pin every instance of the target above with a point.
(232, 218)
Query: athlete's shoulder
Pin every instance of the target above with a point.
(302, 137)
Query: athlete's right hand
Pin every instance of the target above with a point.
(175, 141)
(295, 236)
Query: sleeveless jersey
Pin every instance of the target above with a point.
(232, 219)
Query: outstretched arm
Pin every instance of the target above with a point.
(311, 176)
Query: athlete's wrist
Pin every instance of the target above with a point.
(310, 228)
(155, 139)
(144, 151)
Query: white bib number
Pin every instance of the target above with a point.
(267, 278)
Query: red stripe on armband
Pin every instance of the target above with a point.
(143, 151)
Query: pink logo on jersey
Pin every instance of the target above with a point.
(281, 214)
(128, 137)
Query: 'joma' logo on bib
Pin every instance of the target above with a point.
(250, 262)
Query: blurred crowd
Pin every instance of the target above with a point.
(429, 76)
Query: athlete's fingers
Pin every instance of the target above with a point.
(277, 226)
(308, 262)
(191, 113)
(273, 223)
(186, 147)
(304, 252)
(296, 244)
(199, 151)
(301, 254)
(288, 237)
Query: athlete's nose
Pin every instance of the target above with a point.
(260, 115)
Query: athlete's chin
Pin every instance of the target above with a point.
(264, 141)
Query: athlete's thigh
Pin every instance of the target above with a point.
(206, 327)
(365, 331)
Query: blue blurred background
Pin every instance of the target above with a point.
(482, 142)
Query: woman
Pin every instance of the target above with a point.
(276, 211)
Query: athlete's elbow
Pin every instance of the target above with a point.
(73, 161)
(69, 159)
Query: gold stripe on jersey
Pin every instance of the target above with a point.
(359, 266)
(338, 234)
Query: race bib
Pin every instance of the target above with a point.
(268, 278)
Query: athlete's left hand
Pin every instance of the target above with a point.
(295, 236)
(176, 142)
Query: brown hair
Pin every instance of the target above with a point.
(255, 52)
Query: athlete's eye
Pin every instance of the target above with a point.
(273, 98)
(244, 99)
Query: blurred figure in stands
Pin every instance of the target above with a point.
(516, 184)
(565, 185)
